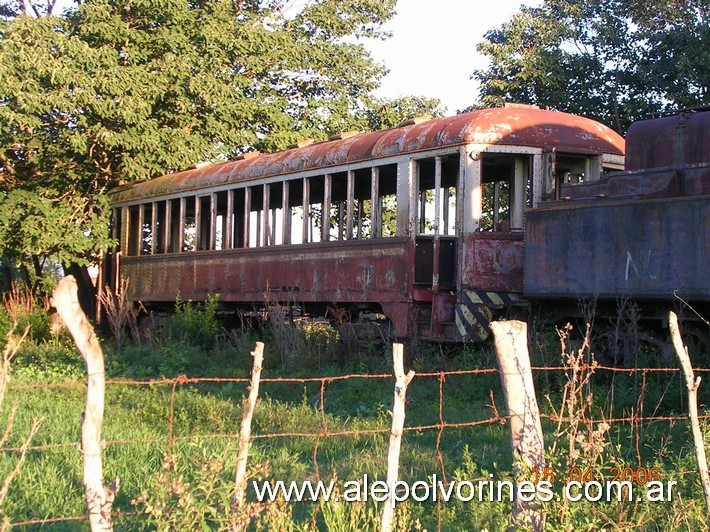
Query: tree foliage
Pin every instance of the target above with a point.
(123, 91)
(386, 114)
(613, 60)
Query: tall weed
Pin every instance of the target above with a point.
(21, 308)
(192, 324)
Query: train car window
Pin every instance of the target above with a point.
(426, 207)
(495, 211)
(295, 218)
(239, 218)
(387, 201)
(571, 169)
(505, 191)
(116, 225)
(315, 187)
(437, 195)
(134, 229)
(189, 227)
(175, 229)
(274, 214)
(264, 216)
(159, 226)
(255, 201)
(203, 219)
(221, 217)
(146, 217)
(337, 211)
(287, 221)
(362, 204)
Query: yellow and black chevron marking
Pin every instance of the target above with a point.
(475, 312)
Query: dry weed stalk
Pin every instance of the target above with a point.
(23, 454)
(18, 301)
(583, 439)
(287, 337)
(12, 344)
(585, 442)
(11, 347)
(121, 312)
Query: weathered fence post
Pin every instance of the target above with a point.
(511, 342)
(99, 498)
(692, 384)
(245, 434)
(400, 394)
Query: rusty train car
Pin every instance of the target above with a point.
(642, 234)
(439, 225)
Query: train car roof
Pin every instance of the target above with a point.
(516, 126)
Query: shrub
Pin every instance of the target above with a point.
(192, 324)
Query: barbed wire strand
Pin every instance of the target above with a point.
(636, 420)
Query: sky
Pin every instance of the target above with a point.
(432, 51)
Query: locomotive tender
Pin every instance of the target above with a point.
(438, 224)
(642, 234)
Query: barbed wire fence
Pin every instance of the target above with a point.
(636, 421)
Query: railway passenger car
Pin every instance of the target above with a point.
(422, 223)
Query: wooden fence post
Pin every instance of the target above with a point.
(400, 394)
(692, 384)
(245, 434)
(99, 498)
(511, 342)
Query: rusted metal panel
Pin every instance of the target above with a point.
(661, 183)
(366, 271)
(442, 313)
(644, 249)
(519, 127)
(493, 261)
(681, 139)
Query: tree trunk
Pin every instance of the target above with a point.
(86, 289)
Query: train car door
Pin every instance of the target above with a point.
(498, 186)
(436, 244)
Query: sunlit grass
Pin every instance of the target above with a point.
(344, 425)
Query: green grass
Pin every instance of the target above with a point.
(137, 430)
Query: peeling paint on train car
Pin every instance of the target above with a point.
(347, 272)
(494, 261)
(522, 127)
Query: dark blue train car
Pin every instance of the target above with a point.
(641, 234)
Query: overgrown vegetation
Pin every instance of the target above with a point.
(183, 478)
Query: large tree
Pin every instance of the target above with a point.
(614, 60)
(116, 91)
